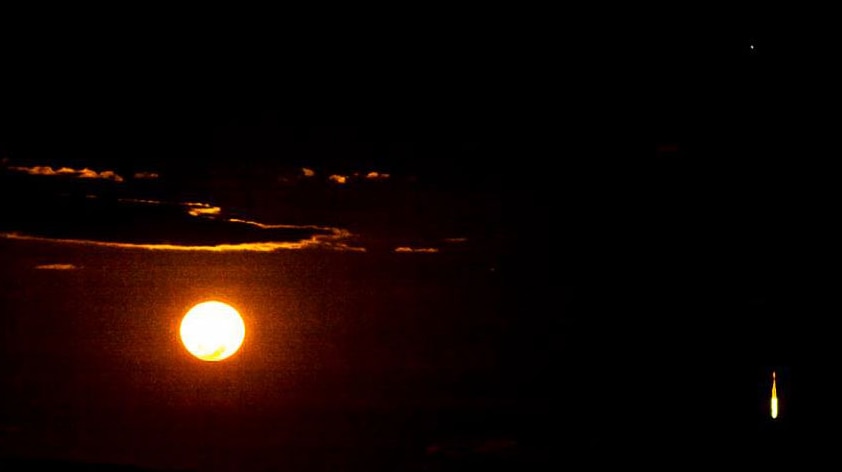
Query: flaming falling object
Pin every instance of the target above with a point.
(774, 405)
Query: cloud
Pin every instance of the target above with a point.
(308, 172)
(110, 175)
(57, 267)
(377, 176)
(428, 250)
(85, 173)
(339, 179)
(315, 242)
(36, 170)
(455, 240)
(159, 225)
(145, 175)
(202, 209)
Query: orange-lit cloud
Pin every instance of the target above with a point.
(339, 179)
(428, 250)
(377, 176)
(338, 232)
(314, 242)
(193, 208)
(223, 234)
(202, 209)
(110, 175)
(308, 172)
(145, 175)
(36, 170)
(57, 267)
(455, 240)
(85, 173)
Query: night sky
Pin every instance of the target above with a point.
(647, 208)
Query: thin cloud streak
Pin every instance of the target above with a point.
(57, 267)
(145, 175)
(315, 242)
(337, 232)
(427, 250)
(203, 227)
(206, 209)
(141, 200)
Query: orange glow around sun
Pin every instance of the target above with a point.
(212, 331)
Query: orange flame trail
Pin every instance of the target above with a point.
(774, 396)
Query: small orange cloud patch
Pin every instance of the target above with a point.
(56, 267)
(428, 250)
(377, 176)
(202, 209)
(145, 175)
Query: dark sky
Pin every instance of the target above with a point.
(530, 109)
(463, 97)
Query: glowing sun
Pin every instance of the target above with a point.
(212, 331)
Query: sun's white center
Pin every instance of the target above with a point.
(212, 331)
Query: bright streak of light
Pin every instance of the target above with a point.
(330, 242)
(774, 406)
